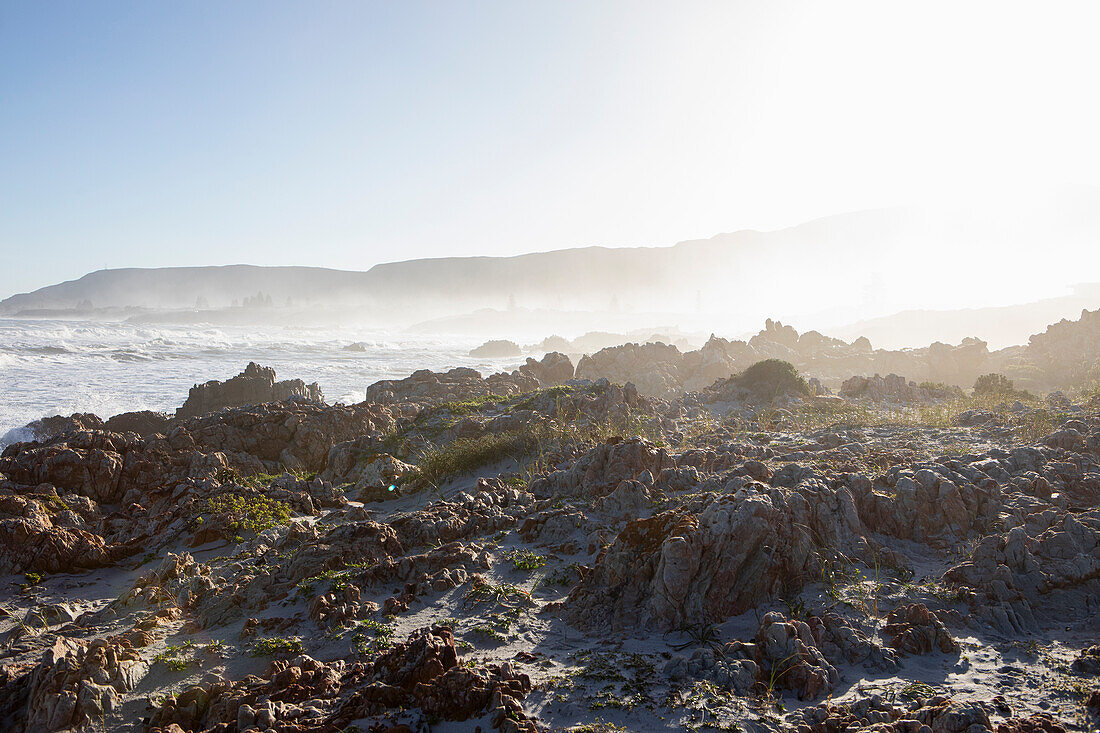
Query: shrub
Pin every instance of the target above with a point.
(249, 512)
(998, 385)
(771, 378)
(993, 384)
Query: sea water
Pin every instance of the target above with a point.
(53, 367)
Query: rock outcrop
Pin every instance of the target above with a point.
(496, 350)
(255, 385)
(553, 369)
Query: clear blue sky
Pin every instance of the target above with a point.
(345, 134)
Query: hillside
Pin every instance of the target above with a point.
(894, 260)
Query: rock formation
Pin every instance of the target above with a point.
(254, 386)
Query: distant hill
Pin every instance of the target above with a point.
(830, 271)
(1000, 327)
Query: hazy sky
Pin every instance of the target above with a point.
(346, 134)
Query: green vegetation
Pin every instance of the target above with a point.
(564, 576)
(532, 444)
(506, 594)
(465, 407)
(177, 657)
(372, 637)
(498, 626)
(252, 512)
(467, 454)
(337, 580)
(259, 480)
(998, 385)
(771, 378)
(526, 560)
(32, 579)
(266, 646)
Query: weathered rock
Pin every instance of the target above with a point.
(916, 630)
(893, 388)
(76, 684)
(935, 714)
(425, 388)
(790, 660)
(715, 557)
(144, 423)
(498, 349)
(553, 369)
(253, 386)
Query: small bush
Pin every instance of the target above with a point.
(998, 385)
(993, 384)
(249, 512)
(771, 378)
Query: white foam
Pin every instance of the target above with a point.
(58, 368)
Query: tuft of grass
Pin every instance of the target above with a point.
(177, 657)
(468, 454)
(259, 480)
(32, 579)
(372, 637)
(337, 580)
(505, 594)
(267, 646)
(526, 560)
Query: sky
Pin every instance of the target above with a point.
(344, 134)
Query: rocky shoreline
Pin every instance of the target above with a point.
(538, 550)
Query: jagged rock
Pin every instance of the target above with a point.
(555, 368)
(372, 476)
(496, 350)
(725, 670)
(289, 692)
(892, 388)
(144, 423)
(935, 714)
(653, 368)
(423, 671)
(916, 630)
(711, 558)
(490, 508)
(425, 655)
(30, 540)
(425, 388)
(76, 684)
(926, 505)
(790, 660)
(1068, 352)
(48, 427)
(1054, 558)
(839, 639)
(253, 386)
(604, 468)
(1087, 662)
(1068, 440)
(1038, 723)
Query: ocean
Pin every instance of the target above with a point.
(52, 367)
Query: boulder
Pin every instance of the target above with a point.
(499, 349)
(555, 368)
(255, 385)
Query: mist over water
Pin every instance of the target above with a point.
(62, 367)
